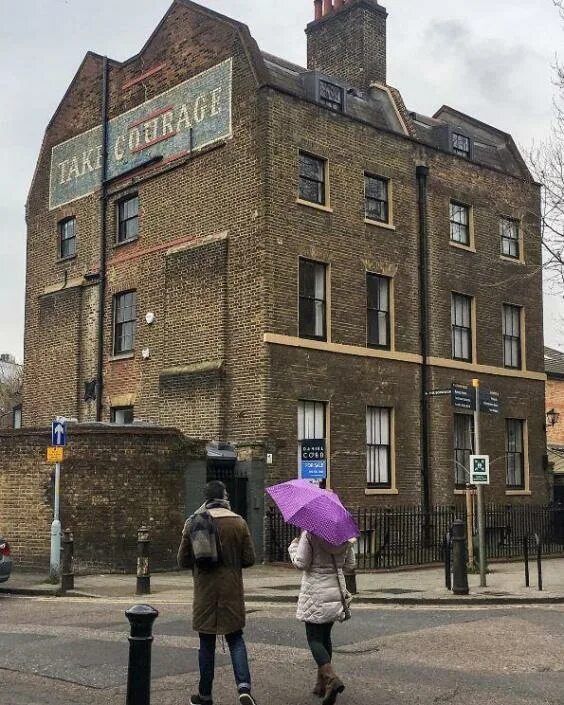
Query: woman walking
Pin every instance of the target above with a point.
(322, 602)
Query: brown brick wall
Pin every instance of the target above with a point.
(555, 400)
(112, 482)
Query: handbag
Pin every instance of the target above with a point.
(346, 597)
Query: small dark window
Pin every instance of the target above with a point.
(376, 198)
(67, 238)
(128, 219)
(463, 448)
(459, 223)
(312, 317)
(125, 317)
(461, 145)
(312, 179)
(331, 95)
(509, 231)
(461, 321)
(511, 336)
(515, 457)
(378, 447)
(378, 311)
(121, 414)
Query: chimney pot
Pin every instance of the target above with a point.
(327, 7)
(318, 7)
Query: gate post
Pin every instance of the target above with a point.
(143, 572)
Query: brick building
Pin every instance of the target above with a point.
(287, 253)
(554, 366)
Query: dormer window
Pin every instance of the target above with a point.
(331, 95)
(461, 145)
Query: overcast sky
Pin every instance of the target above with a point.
(490, 59)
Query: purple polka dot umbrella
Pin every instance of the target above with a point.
(320, 512)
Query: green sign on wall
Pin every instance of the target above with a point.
(189, 116)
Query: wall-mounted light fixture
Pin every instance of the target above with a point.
(552, 417)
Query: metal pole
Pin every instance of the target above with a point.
(460, 572)
(539, 560)
(67, 576)
(55, 564)
(526, 556)
(143, 572)
(141, 618)
(448, 573)
(480, 489)
(469, 526)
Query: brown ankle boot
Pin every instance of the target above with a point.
(319, 689)
(333, 684)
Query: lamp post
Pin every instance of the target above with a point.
(552, 417)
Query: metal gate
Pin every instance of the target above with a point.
(222, 465)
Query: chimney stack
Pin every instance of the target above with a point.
(347, 39)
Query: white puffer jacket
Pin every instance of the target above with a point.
(320, 598)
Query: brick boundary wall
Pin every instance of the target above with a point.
(113, 480)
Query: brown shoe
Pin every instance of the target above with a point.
(333, 684)
(319, 689)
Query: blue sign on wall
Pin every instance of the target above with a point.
(313, 461)
(185, 118)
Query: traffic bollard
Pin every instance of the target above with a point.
(143, 572)
(67, 574)
(459, 558)
(141, 618)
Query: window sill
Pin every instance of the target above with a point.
(122, 356)
(460, 246)
(518, 493)
(126, 242)
(374, 491)
(62, 260)
(379, 224)
(315, 206)
(514, 260)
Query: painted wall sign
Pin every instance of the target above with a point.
(193, 114)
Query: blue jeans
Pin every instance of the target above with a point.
(239, 659)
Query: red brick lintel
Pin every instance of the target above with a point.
(150, 72)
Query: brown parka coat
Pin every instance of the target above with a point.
(219, 601)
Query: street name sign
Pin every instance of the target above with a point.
(489, 401)
(463, 397)
(58, 433)
(479, 469)
(55, 454)
(313, 461)
(438, 392)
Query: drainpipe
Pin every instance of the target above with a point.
(103, 237)
(422, 172)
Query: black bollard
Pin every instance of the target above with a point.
(143, 572)
(67, 570)
(141, 618)
(459, 558)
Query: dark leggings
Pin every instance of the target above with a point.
(319, 640)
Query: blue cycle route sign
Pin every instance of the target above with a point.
(313, 461)
(58, 433)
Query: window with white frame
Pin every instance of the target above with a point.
(461, 322)
(514, 454)
(461, 145)
(511, 327)
(378, 447)
(459, 223)
(311, 423)
(463, 448)
(378, 310)
(312, 185)
(376, 198)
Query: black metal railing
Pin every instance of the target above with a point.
(403, 536)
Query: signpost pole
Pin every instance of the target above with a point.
(55, 565)
(480, 490)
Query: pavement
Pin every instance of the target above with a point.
(280, 584)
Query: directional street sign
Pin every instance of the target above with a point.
(55, 454)
(489, 401)
(479, 469)
(463, 397)
(58, 433)
(314, 464)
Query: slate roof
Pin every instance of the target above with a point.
(554, 363)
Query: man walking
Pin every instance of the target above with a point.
(216, 544)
